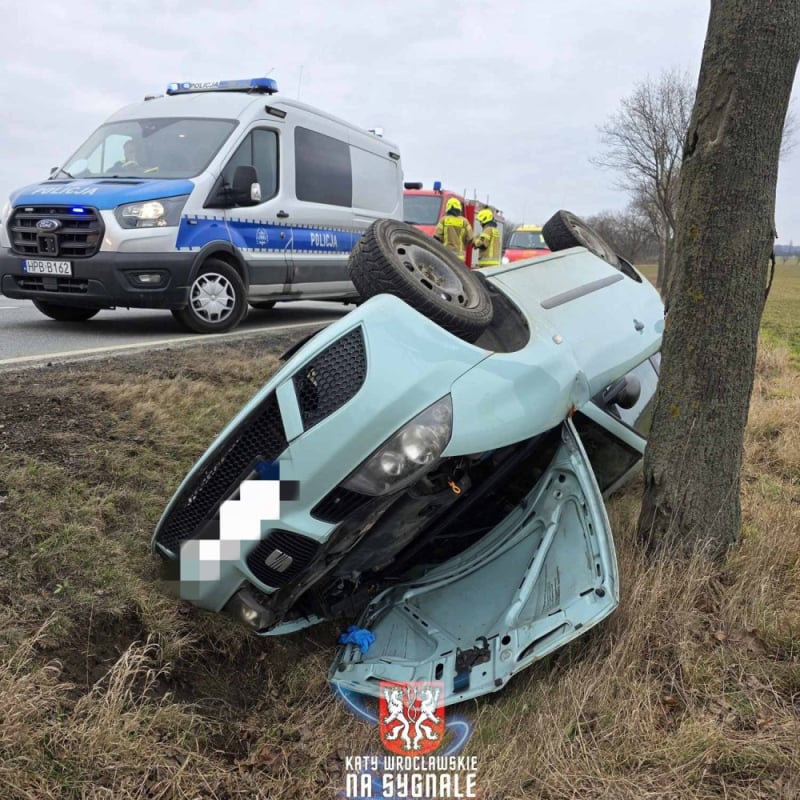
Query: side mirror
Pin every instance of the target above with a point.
(625, 392)
(246, 189)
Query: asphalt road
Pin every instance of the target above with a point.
(27, 337)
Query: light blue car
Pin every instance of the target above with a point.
(443, 453)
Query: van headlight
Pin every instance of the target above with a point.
(6, 212)
(161, 213)
(408, 455)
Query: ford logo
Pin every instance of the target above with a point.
(48, 224)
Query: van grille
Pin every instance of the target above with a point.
(331, 378)
(260, 437)
(77, 234)
(52, 283)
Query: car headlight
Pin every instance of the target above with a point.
(151, 213)
(5, 213)
(408, 455)
(506, 260)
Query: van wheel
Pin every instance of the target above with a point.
(216, 299)
(564, 230)
(395, 258)
(65, 313)
(263, 305)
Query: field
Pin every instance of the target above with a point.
(779, 324)
(110, 689)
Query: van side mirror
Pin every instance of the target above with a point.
(246, 189)
(625, 392)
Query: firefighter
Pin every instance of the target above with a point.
(454, 230)
(488, 243)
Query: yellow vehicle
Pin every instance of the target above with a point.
(526, 242)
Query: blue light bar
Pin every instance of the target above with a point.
(257, 85)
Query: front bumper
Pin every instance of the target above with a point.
(106, 280)
(409, 363)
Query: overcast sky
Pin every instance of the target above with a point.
(501, 98)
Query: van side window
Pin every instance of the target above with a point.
(374, 181)
(259, 150)
(323, 173)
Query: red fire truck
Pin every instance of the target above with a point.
(423, 208)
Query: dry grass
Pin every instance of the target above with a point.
(690, 690)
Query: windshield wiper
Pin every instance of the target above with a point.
(60, 171)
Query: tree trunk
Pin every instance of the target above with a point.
(662, 262)
(723, 239)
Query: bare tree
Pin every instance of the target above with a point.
(629, 232)
(723, 240)
(643, 143)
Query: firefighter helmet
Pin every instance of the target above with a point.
(484, 216)
(453, 204)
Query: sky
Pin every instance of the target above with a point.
(500, 99)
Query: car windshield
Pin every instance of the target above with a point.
(149, 148)
(527, 240)
(421, 209)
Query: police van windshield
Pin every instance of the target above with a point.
(421, 209)
(149, 148)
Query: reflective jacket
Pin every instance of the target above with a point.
(455, 233)
(489, 245)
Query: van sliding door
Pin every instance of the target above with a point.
(320, 221)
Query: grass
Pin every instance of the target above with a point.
(779, 324)
(110, 689)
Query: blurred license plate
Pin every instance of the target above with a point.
(34, 266)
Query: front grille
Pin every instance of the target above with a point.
(338, 505)
(79, 235)
(281, 557)
(52, 283)
(331, 378)
(259, 437)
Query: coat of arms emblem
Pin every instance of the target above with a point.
(412, 716)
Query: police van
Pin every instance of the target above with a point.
(201, 201)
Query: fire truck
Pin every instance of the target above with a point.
(423, 208)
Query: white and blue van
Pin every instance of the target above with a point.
(212, 197)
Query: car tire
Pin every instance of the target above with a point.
(65, 313)
(564, 230)
(395, 258)
(263, 305)
(217, 300)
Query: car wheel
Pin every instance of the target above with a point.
(395, 258)
(216, 299)
(263, 305)
(65, 313)
(564, 230)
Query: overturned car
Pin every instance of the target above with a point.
(442, 454)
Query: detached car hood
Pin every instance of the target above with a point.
(542, 577)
